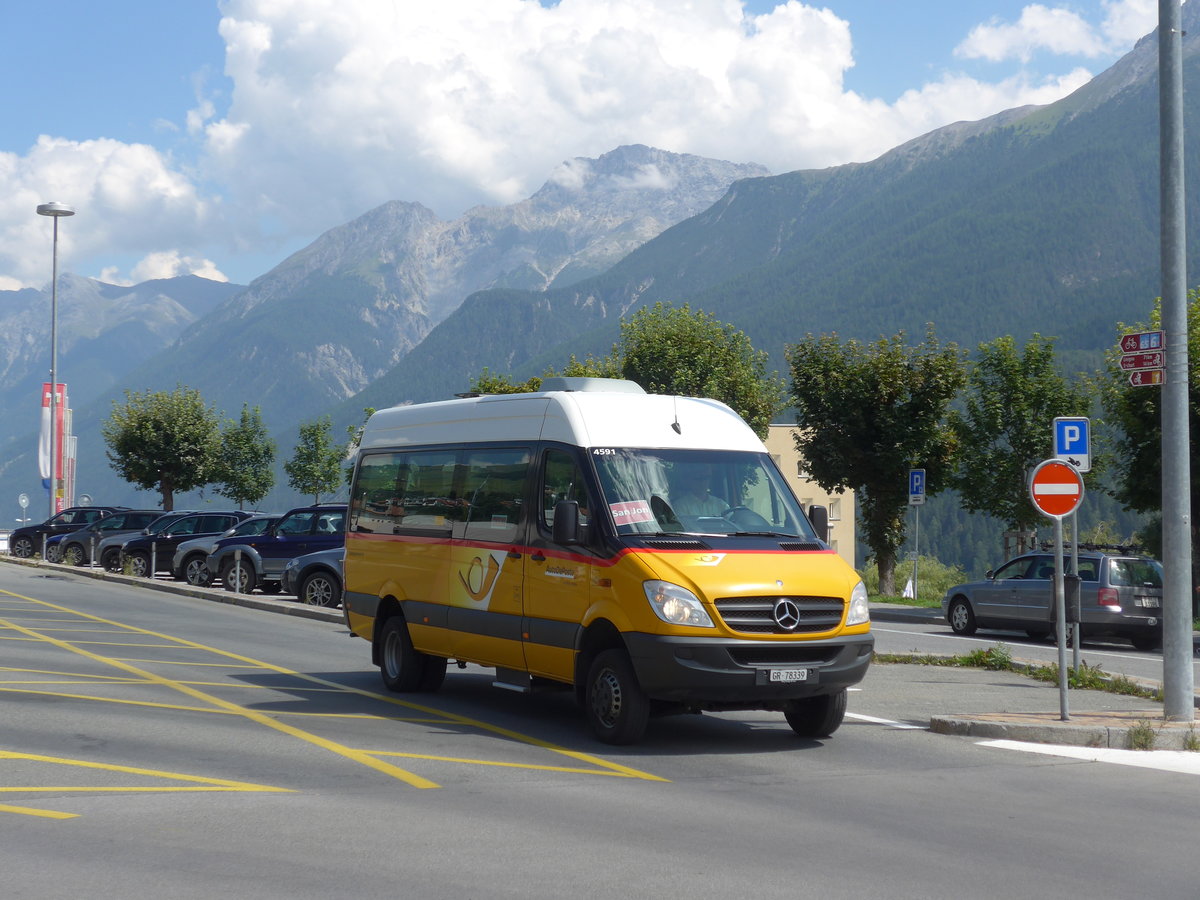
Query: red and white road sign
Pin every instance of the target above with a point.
(1056, 488)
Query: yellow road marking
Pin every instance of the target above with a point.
(437, 714)
(492, 762)
(214, 784)
(43, 813)
(262, 719)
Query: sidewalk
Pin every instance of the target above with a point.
(1106, 722)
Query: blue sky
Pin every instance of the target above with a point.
(217, 137)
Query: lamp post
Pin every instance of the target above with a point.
(55, 210)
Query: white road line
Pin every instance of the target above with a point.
(874, 721)
(1180, 761)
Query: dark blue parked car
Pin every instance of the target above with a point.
(244, 563)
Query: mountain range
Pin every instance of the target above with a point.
(1039, 219)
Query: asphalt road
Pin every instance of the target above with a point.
(162, 746)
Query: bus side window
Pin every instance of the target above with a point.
(562, 479)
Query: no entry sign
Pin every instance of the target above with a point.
(1056, 488)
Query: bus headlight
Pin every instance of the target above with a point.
(860, 611)
(676, 605)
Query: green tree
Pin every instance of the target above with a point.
(1012, 399)
(670, 350)
(163, 441)
(867, 413)
(245, 466)
(316, 466)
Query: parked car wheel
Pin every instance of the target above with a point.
(139, 563)
(53, 553)
(73, 555)
(238, 576)
(1146, 641)
(321, 589)
(962, 617)
(616, 707)
(815, 717)
(22, 547)
(110, 560)
(195, 571)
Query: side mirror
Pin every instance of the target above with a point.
(990, 575)
(819, 517)
(566, 522)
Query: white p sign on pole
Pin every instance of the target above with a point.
(1072, 442)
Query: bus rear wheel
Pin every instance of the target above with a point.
(404, 668)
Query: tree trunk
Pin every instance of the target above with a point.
(886, 562)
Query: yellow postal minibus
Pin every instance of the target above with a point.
(642, 549)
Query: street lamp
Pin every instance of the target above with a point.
(55, 210)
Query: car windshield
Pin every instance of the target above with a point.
(1135, 573)
(697, 492)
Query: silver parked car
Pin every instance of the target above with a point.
(1120, 594)
(188, 564)
(315, 578)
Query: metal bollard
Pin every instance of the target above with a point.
(153, 559)
(92, 554)
(236, 571)
(43, 547)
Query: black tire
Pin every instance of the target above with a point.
(617, 710)
(139, 564)
(110, 560)
(22, 547)
(1037, 634)
(320, 589)
(73, 555)
(961, 616)
(402, 667)
(54, 553)
(816, 717)
(1146, 641)
(270, 587)
(238, 576)
(434, 674)
(195, 571)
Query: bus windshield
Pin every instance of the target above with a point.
(697, 492)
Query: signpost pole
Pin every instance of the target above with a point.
(1075, 571)
(916, 548)
(1178, 677)
(1060, 616)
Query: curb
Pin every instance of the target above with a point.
(212, 595)
(1113, 731)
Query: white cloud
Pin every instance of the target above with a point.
(163, 264)
(1060, 31)
(334, 106)
(127, 197)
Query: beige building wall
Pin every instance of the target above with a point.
(782, 447)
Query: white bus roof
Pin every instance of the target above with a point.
(581, 418)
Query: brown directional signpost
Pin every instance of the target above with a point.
(1056, 489)
(1143, 357)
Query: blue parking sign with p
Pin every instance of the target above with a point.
(1072, 442)
(916, 487)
